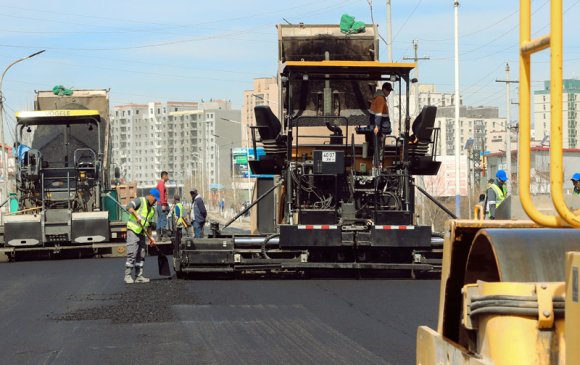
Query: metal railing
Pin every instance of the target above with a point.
(529, 46)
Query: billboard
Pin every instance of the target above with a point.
(240, 158)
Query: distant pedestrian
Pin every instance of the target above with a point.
(199, 213)
(222, 205)
(143, 209)
(162, 207)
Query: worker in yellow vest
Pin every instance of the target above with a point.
(179, 221)
(142, 217)
(576, 182)
(496, 194)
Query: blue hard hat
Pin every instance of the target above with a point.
(155, 193)
(501, 175)
(576, 177)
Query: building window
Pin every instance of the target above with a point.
(137, 111)
(117, 113)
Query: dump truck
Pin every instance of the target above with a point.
(333, 195)
(62, 174)
(509, 287)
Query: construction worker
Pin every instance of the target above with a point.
(198, 213)
(379, 111)
(379, 122)
(179, 218)
(142, 217)
(576, 182)
(162, 206)
(496, 194)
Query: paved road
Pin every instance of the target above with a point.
(79, 311)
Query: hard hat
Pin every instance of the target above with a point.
(387, 86)
(155, 193)
(501, 175)
(576, 177)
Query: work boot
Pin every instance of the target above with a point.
(128, 275)
(139, 278)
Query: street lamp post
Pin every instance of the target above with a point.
(200, 159)
(457, 110)
(5, 153)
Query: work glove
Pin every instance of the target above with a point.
(141, 220)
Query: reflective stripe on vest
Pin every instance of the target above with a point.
(179, 219)
(499, 194)
(145, 212)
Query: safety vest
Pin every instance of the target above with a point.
(499, 194)
(146, 212)
(179, 221)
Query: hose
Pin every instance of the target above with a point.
(265, 243)
(511, 305)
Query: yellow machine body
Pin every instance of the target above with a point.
(509, 289)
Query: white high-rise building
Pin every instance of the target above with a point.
(190, 142)
(570, 118)
(482, 124)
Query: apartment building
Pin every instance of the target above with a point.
(570, 105)
(186, 139)
(482, 124)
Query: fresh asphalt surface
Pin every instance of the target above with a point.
(80, 312)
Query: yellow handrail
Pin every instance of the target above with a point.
(556, 145)
(528, 47)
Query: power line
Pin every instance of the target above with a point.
(408, 18)
(228, 34)
(168, 26)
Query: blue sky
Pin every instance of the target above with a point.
(191, 50)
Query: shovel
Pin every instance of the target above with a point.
(162, 261)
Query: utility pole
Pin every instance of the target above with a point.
(517, 151)
(416, 59)
(508, 154)
(389, 32)
(457, 101)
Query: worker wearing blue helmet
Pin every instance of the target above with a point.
(576, 181)
(496, 194)
(142, 212)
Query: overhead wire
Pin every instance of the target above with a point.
(228, 34)
(408, 18)
(195, 26)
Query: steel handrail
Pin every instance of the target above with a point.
(528, 47)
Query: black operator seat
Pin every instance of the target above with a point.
(269, 128)
(422, 131)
